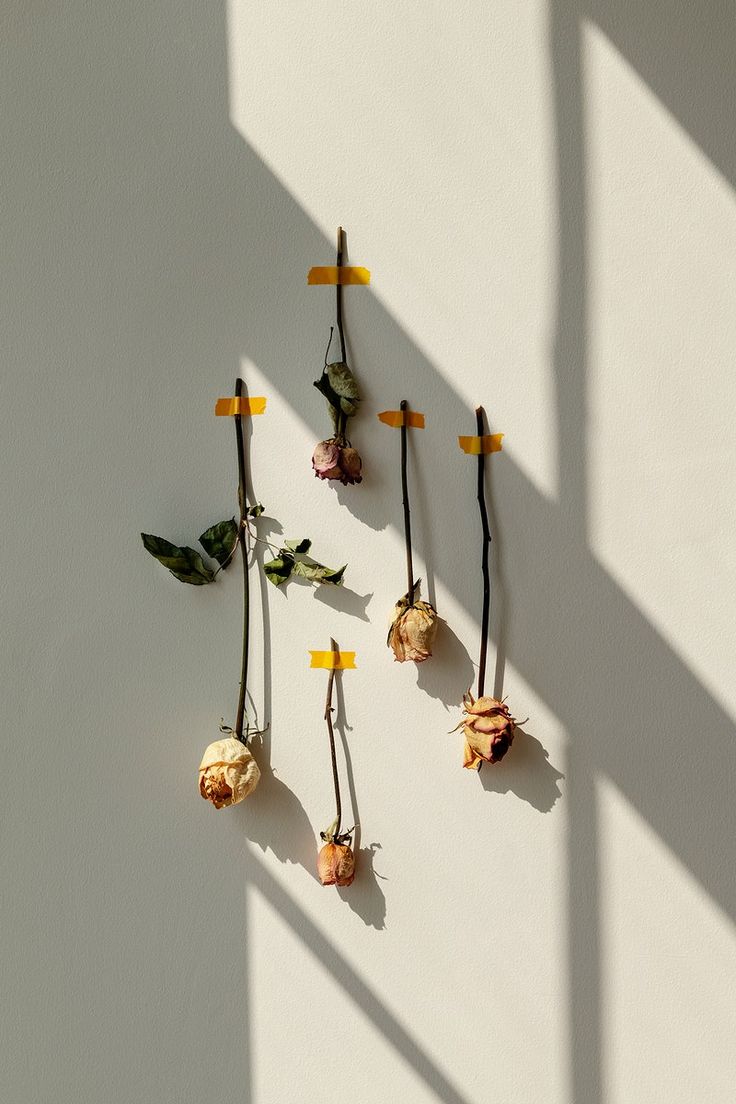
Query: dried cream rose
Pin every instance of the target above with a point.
(228, 773)
(336, 864)
(413, 629)
(489, 730)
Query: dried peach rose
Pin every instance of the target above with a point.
(336, 864)
(228, 773)
(413, 629)
(489, 730)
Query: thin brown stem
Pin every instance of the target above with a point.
(404, 406)
(338, 294)
(485, 556)
(333, 754)
(243, 539)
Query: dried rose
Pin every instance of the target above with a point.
(413, 629)
(489, 730)
(336, 864)
(228, 772)
(333, 461)
(351, 465)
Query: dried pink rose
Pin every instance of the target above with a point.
(489, 730)
(336, 864)
(333, 461)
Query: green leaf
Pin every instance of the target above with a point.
(278, 571)
(318, 573)
(298, 546)
(343, 385)
(255, 511)
(219, 540)
(342, 381)
(185, 564)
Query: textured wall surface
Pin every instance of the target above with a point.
(544, 193)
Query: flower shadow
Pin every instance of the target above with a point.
(526, 771)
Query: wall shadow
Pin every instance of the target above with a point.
(175, 246)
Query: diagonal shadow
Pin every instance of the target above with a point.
(686, 53)
(328, 956)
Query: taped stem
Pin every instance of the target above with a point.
(485, 558)
(333, 755)
(338, 296)
(243, 539)
(407, 519)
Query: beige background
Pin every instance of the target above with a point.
(544, 193)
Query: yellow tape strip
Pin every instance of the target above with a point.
(240, 404)
(345, 274)
(333, 661)
(397, 418)
(474, 446)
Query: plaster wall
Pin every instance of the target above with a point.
(544, 193)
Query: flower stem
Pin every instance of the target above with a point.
(407, 520)
(243, 539)
(338, 295)
(485, 556)
(328, 718)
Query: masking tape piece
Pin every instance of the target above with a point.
(333, 661)
(474, 446)
(398, 418)
(345, 274)
(240, 404)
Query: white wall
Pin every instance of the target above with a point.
(544, 193)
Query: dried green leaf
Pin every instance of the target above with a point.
(298, 546)
(255, 511)
(277, 571)
(318, 573)
(342, 381)
(185, 564)
(219, 540)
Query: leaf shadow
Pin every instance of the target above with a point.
(344, 600)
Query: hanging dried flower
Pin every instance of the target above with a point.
(335, 458)
(228, 772)
(336, 864)
(413, 629)
(488, 725)
(332, 461)
(335, 861)
(489, 730)
(414, 623)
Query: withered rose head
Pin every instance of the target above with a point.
(228, 773)
(336, 864)
(413, 629)
(351, 465)
(333, 461)
(489, 730)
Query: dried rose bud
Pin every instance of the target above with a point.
(333, 461)
(351, 465)
(413, 629)
(336, 864)
(489, 730)
(228, 773)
